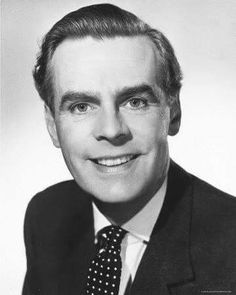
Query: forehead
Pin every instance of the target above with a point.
(108, 64)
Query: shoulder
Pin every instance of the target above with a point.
(58, 202)
(57, 190)
(213, 211)
(56, 219)
(206, 199)
(210, 202)
(213, 230)
(62, 192)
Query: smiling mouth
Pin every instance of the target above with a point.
(114, 161)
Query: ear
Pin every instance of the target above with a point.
(51, 126)
(175, 116)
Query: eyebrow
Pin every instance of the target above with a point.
(73, 96)
(92, 97)
(136, 90)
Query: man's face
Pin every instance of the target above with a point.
(111, 118)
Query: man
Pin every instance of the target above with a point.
(111, 86)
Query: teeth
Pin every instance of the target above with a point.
(114, 162)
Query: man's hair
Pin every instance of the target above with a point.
(103, 21)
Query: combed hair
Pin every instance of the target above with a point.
(102, 21)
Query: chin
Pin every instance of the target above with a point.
(115, 194)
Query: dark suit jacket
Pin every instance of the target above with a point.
(192, 248)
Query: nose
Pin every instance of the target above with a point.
(111, 126)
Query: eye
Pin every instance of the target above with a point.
(81, 108)
(136, 103)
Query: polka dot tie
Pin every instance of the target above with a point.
(105, 269)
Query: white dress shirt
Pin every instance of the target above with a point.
(139, 231)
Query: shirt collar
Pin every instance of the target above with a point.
(141, 224)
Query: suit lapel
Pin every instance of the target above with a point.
(166, 264)
(73, 278)
(85, 252)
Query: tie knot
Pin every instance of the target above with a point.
(111, 236)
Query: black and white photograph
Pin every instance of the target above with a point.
(118, 140)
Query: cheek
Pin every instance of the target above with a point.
(72, 135)
(151, 130)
